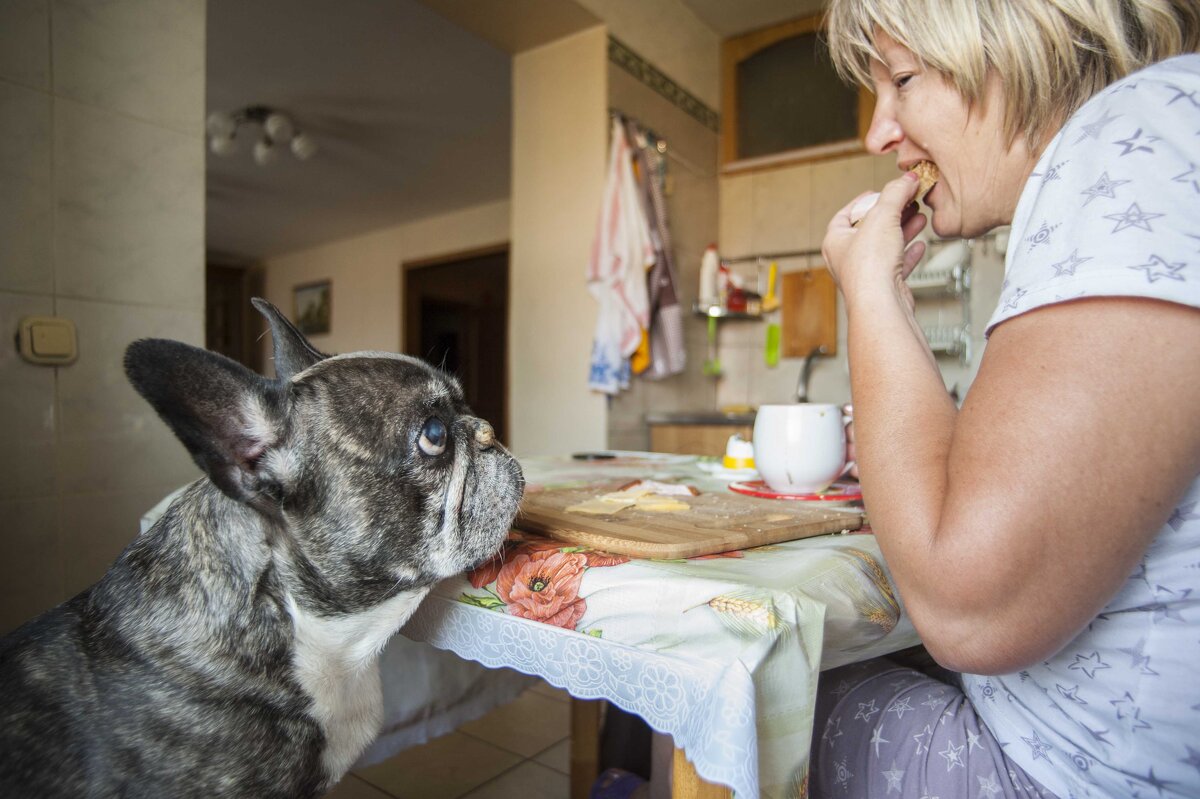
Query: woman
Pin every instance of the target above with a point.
(1045, 538)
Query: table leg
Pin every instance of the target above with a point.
(585, 746)
(687, 784)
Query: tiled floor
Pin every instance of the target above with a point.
(518, 750)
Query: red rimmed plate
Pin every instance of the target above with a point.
(838, 492)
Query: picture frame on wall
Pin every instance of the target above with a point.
(312, 307)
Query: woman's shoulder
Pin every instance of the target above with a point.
(1165, 92)
(1109, 208)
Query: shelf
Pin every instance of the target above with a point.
(954, 282)
(719, 312)
(952, 340)
(946, 271)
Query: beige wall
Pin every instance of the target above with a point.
(559, 148)
(101, 222)
(365, 273)
(672, 38)
(788, 209)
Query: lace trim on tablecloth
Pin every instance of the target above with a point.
(680, 698)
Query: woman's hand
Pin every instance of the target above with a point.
(880, 251)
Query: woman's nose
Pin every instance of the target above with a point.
(885, 134)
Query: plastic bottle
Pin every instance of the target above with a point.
(709, 264)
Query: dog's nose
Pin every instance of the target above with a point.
(485, 436)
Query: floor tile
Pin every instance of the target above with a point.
(444, 768)
(527, 781)
(543, 688)
(351, 787)
(557, 757)
(527, 725)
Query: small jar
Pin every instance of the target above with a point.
(736, 301)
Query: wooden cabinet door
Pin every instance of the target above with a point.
(695, 439)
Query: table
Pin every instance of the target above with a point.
(721, 652)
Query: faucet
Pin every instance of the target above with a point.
(805, 371)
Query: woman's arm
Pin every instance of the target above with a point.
(1008, 525)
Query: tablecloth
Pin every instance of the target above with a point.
(721, 652)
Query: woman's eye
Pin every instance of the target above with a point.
(900, 80)
(433, 437)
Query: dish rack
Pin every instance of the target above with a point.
(948, 274)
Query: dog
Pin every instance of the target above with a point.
(231, 650)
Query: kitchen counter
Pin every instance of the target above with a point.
(700, 417)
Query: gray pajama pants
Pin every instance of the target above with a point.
(884, 730)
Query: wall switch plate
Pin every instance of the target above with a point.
(47, 340)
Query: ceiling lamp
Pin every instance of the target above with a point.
(275, 129)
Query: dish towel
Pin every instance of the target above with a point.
(616, 274)
(668, 355)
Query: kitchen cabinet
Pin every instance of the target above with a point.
(697, 434)
(783, 102)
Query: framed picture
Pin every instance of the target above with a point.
(311, 307)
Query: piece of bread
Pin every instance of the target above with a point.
(927, 175)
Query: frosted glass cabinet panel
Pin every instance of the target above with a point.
(783, 102)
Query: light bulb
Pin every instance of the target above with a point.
(278, 127)
(264, 152)
(220, 125)
(304, 146)
(223, 145)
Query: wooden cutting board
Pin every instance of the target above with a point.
(809, 303)
(714, 522)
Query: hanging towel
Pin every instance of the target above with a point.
(668, 354)
(616, 275)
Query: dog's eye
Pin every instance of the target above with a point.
(433, 437)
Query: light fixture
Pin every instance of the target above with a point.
(227, 129)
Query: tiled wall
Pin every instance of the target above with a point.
(769, 211)
(692, 214)
(101, 222)
(787, 209)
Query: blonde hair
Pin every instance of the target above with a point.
(1050, 55)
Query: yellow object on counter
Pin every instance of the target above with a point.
(730, 462)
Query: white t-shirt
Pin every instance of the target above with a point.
(1113, 209)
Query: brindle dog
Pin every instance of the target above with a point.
(231, 650)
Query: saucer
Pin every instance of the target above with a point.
(836, 493)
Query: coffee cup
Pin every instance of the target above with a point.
(800, 448)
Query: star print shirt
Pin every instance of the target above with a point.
(1113, 209)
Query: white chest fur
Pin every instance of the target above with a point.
(337, 664)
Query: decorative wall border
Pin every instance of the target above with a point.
(644, 71)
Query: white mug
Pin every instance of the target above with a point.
(800, 448)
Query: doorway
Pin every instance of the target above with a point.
(231, 325)
(456, 318)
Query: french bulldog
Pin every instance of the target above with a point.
(231, 650)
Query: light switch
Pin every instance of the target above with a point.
(47, 340)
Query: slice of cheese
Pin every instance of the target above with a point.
(659, 504)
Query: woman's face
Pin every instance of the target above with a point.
(920, 116)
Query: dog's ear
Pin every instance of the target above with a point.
(293, 353)
(226, 415)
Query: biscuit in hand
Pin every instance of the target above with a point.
(927, 176)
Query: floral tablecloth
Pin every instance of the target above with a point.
(721, 652)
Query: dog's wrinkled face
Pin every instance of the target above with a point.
(386, 480)
(369, 469)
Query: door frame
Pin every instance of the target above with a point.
(406, 324)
